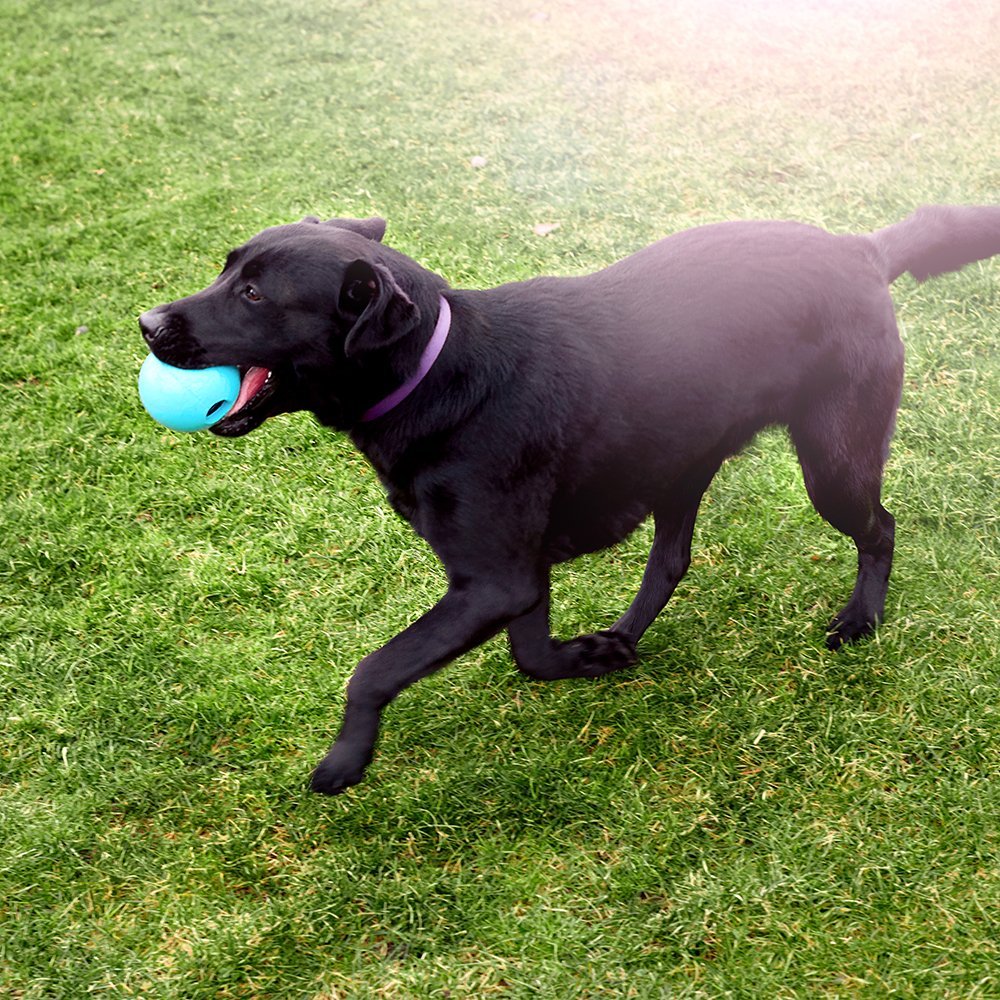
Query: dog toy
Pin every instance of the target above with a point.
(187, 399)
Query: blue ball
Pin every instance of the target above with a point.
(187, 399)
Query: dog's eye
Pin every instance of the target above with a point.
(251, 293)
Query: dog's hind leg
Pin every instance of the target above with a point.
(543, 658)
(670, 555)
(842, 447)
(669, 558)
(668, 561)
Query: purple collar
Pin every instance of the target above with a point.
(427, 359)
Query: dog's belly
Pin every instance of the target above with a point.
(590, 519)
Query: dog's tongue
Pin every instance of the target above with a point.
(253, 382)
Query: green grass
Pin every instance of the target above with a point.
(745, 814)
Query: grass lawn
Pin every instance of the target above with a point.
(742, 815)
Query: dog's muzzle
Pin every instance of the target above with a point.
(152, 323)
(166, 334)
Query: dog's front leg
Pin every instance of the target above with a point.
(544, 658)
(466, 616)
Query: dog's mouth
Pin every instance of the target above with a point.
(258, 386)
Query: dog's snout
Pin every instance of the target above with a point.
(152, 323)
(166, 330)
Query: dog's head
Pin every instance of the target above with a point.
(311, 313)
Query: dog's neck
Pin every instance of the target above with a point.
(430, 354)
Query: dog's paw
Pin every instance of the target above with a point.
(586, 656)
(597, 654)
(848, 626)
(337, 771)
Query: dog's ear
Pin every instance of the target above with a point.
(381, 311)
(371, 229)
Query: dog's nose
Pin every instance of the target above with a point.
(151, 323)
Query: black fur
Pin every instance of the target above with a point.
(563, 411)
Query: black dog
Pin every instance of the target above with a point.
(520, 426)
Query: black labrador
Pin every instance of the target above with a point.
(520, 426)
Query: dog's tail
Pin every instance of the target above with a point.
(937, 239)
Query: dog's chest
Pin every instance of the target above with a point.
(403, 503)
